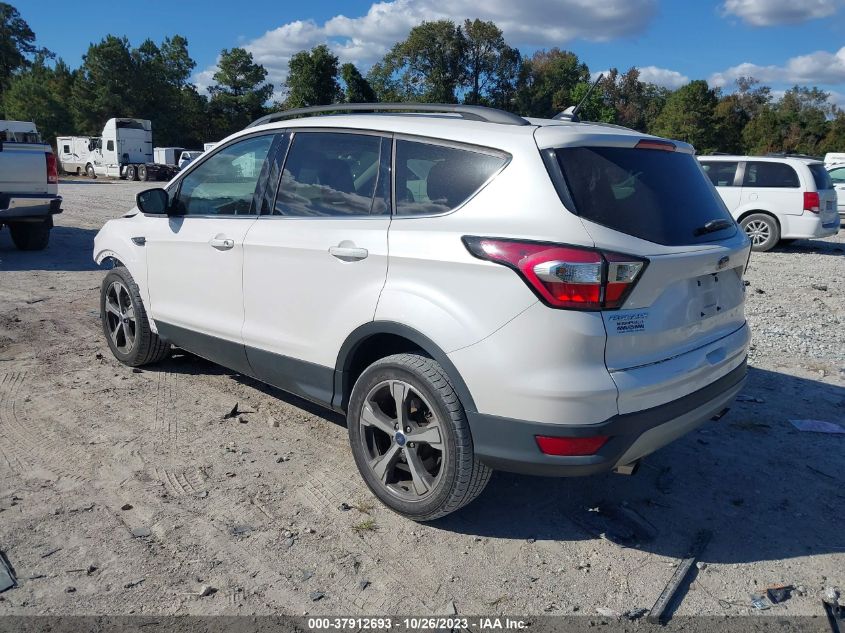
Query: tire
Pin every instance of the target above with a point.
(89, 169)
(142, 173)
(763, 231)
(131, 173)
(125, 322)
(31, 236)
(422, 479)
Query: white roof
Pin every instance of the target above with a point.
(19, 127)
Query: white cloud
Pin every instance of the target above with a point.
(663, 77)
(365, 39)
(777, 12)
(820, 67)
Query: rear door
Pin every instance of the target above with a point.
(683, 325)
(774, 186)
(725, 177)
(827, 194)
(316, 261)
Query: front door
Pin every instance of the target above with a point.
(315, 263)
(195, 255)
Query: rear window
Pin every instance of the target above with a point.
(770, 175)
(655, 195)
(821, 177)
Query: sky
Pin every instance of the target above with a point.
(780, 42)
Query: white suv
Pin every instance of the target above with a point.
(473, 289)
(775, 199)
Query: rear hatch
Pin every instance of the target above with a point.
(650, 199)
(827, 194)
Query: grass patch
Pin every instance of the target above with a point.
(368, 525)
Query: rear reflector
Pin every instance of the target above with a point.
(666, 146)
(570, 446)
(812, 202)
(569, 277)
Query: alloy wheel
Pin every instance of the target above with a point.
(403, 440)
(758, 232)
(120, 317)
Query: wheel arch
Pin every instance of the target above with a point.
(379, 339)
(745, 214)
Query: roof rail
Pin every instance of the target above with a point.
(792, 155)
(470, 112)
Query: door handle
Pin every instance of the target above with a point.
(348, 253)
(222, 243)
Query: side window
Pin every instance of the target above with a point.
(225, 183)
(770, 175)
(435, 179)
(65, 149)
(838, 175)
(334, 174)
(720, 173)
(110, 146)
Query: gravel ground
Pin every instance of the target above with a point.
(124, 491)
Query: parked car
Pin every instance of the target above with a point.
(837, 176)
(552, 297)
(29, 184)
(775, 199)
(188, 156)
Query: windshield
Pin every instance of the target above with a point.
(656, 195)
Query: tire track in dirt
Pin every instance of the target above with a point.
(37, 441)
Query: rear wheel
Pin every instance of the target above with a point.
(142, 173)
(31, 236)
(762, 230)
(131, 174)
(411, 440)
(125, 321)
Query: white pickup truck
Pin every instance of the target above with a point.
(29, 183)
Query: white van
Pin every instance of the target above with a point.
(74, 153)
(775, 199)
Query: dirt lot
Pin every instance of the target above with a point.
(125, 491)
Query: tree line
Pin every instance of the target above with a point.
(439, 61)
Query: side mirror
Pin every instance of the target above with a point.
(153, 201)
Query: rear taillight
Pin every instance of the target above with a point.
(812, 202)
(52, 169)
(570, 277)
(570, 446)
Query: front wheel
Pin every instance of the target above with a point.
(31, 236)
(125, 321)
(762, 230)
(411, 440)
(89, 169)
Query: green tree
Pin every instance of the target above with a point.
(427, 66)
(312, 78)
(240, 93)
(596, 107)
(834, 140)
(40, 94)
(547, 80)
(689, 116)
(636, 103)
(357, 88)
(17, 44)
(106, 85)
(490, 65)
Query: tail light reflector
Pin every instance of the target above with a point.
(569, 277)
(665, 146)
(812, 202)
(52, 168)
(570, 446)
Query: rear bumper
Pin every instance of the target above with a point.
(15, 207)
(809, 225)
(509, 444)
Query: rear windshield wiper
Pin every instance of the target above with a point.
(712, 226)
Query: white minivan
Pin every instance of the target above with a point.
(775, 199)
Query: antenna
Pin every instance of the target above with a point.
(571, 113)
